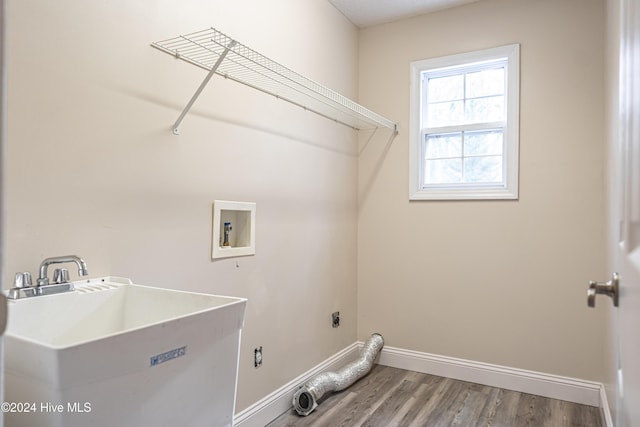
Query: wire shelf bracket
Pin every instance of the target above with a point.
(219, 54)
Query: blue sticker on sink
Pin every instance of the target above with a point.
(168, 355)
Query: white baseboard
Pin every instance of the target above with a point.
(547, 385)
(270, 407)
(605, 412)
(541, 384)
(554, 386)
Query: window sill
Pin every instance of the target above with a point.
(464, 194)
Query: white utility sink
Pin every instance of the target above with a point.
(112, 353)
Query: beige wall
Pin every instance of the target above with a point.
(494, 281)
(93, 168)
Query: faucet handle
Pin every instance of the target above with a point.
(60, 275)
(22, 280)
(19, 281)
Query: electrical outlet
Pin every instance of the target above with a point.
(257, 357)
(335, 319)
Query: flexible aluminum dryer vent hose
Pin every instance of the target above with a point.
(305, 400)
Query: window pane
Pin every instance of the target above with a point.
(448, 88)
(486, 169)
(483, 143)
(485, 83)
(483, 110)
(443, 145)
(445, 113)
(443, 171)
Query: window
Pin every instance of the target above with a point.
(464, 126)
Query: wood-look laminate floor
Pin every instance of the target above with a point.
(390, 397)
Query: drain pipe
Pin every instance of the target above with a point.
(305, 400)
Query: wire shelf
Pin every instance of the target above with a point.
(219, 54)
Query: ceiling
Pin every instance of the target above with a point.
(365, 13)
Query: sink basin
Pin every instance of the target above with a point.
(114, 353)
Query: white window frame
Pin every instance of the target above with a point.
(506, 190)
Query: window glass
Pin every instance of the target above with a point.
(485, 142)
(485, 83)
(483, 169)
(444, 145)
(448, 88)
(484, 110)
(445, 113)
(443, 171)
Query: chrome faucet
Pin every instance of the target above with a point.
(23, 288)
(43, 280)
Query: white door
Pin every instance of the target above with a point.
(624, 208)
(3, 142)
